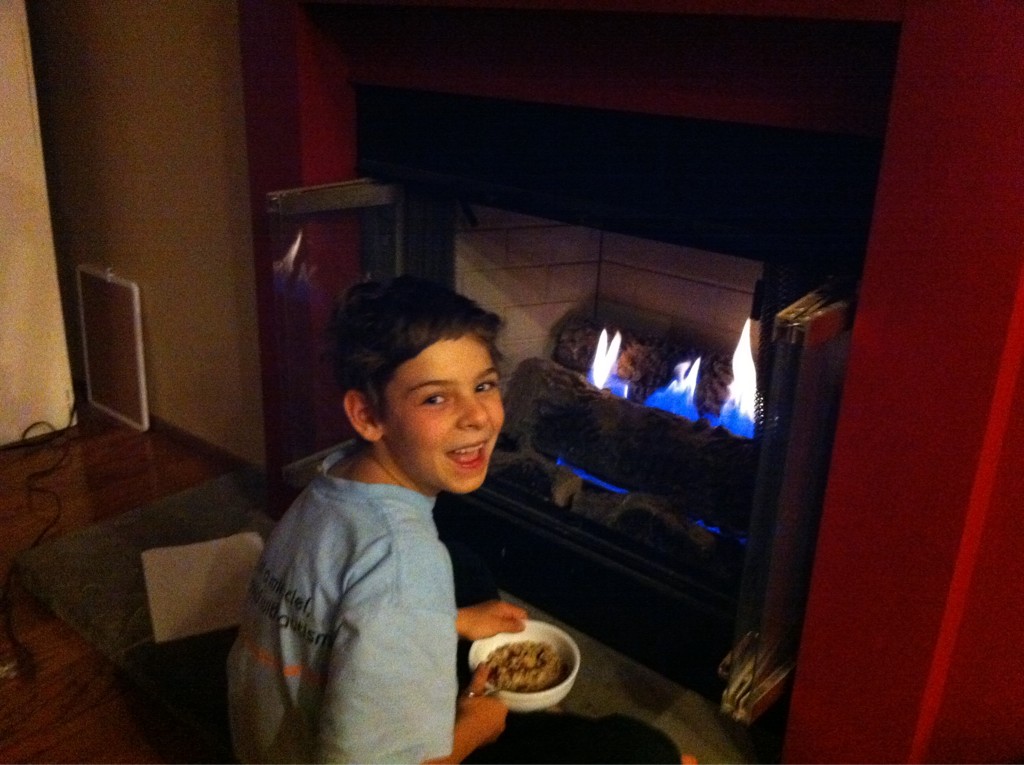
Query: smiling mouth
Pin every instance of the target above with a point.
(470, 456)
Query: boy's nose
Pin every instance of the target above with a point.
(473, 414)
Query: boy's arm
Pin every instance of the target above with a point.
(479, 719)
(489, 618)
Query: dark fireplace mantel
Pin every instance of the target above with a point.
(920, 537)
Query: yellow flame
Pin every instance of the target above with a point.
(743, 390)
(605, 359)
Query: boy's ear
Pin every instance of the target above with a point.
(362, 415)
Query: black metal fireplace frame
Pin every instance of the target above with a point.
(779, 195)
(565, 566)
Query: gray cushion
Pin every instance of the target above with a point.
(93, 580)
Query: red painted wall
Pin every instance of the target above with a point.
(911, 646)
(300, 117)
(796, 73)
(887, 670)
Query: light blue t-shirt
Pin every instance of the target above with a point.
(346, 650)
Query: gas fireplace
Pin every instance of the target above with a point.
(648, 451)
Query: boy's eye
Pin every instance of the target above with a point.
(486, 385)
(437, 398)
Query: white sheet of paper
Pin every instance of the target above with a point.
(199, 588)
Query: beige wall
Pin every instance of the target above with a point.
(142, 116)
(534, 271)
(530, 271)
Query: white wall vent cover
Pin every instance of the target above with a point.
(115, 370)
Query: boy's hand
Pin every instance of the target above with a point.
(480, 714)
(489, 618)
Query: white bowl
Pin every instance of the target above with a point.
(535, 630)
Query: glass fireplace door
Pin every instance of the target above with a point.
(326, 238)
(810, 342)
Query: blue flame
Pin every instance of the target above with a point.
(611, 383)
(733, 420)
(591, 478)
(716, 530)
(677, 397)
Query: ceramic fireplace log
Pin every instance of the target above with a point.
(557, 413)
(661, 522)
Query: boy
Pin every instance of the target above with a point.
(348, 642)
(347, 646)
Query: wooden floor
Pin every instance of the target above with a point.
(60, 700)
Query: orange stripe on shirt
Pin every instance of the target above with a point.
(267, 659)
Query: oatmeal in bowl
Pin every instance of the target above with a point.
(530, 670)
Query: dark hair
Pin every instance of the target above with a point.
(377, 327)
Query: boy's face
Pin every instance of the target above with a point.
(442, 414)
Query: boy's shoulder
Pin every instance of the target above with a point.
(339, 506)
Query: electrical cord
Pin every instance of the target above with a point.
(20, 661)
(26, 441)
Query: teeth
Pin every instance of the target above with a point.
(468, 451)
